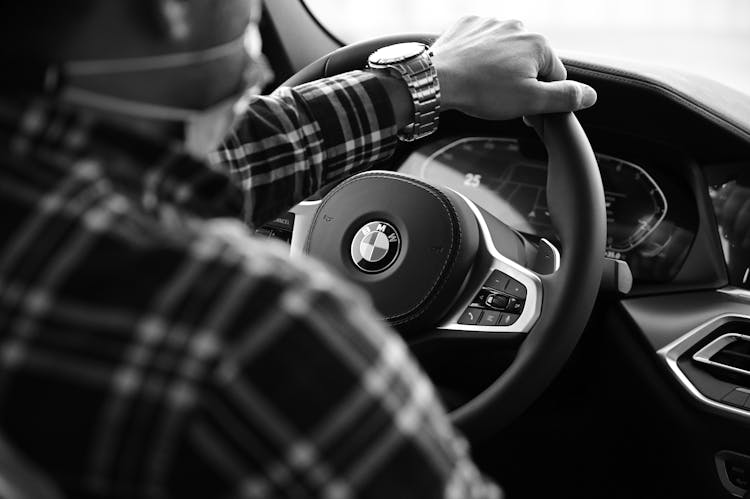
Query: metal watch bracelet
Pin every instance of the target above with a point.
(421, 77)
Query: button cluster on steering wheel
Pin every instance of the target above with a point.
(499, 302)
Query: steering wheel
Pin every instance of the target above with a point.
(431, 258)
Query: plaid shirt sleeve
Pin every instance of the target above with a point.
(140, 362)
(291, 144)
(155, 358)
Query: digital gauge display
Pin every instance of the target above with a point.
(635, 203)
(497, 175)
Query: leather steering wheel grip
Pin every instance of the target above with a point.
(351, 57)
(575, 197)
(576, 201)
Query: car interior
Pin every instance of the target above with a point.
(574, 372)
(651, 396)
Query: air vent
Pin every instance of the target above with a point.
(730, 352)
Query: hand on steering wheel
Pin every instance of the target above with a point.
(557, 305)
(496, 70)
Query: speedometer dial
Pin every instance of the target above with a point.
(635, 203)
(496, 175)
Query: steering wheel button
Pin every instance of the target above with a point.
(515, 288)
(507, 319)
(481, 299)
(497, 280)
(514, 305)
(498, 302)
(489, 318)
(471, 316)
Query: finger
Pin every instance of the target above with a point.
(513, 25)
(553, 68)
(560, 96)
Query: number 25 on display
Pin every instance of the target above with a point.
(472, 180)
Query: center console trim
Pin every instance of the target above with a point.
(672, 352)
(721, 459)
(705, 354)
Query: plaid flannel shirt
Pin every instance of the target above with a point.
(150, 346)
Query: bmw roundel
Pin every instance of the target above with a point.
(375, 247)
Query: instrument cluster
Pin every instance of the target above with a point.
(503, 177)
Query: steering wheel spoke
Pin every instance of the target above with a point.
(505, 296)
(304, 214)
(414, 246)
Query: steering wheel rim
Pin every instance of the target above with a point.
(575, 199)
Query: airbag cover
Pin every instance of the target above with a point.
(413, 275)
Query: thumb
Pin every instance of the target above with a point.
(561, 96)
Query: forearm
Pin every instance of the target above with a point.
(295, 142)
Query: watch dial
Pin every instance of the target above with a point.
(397, 53)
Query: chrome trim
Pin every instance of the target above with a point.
(533, 283)
(624, 277)
(304, 213)
(551, 249)
(743, 294)
(674, 350)
(704, 354)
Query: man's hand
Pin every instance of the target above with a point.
(496, 70)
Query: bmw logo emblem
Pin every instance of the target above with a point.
(375, 247)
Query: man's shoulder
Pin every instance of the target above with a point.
(109, 243)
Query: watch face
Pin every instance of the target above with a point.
(397, 53)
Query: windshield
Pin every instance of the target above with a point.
(710, 38)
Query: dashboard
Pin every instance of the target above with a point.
(667, 213)
(678, 213)
(674, 153)
(729, 190)
(651, 222)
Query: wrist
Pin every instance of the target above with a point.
(400, 97)
(448, 92)
(411, 62)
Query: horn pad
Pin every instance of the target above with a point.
(409, 244)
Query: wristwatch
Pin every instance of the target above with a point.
(412, 62)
